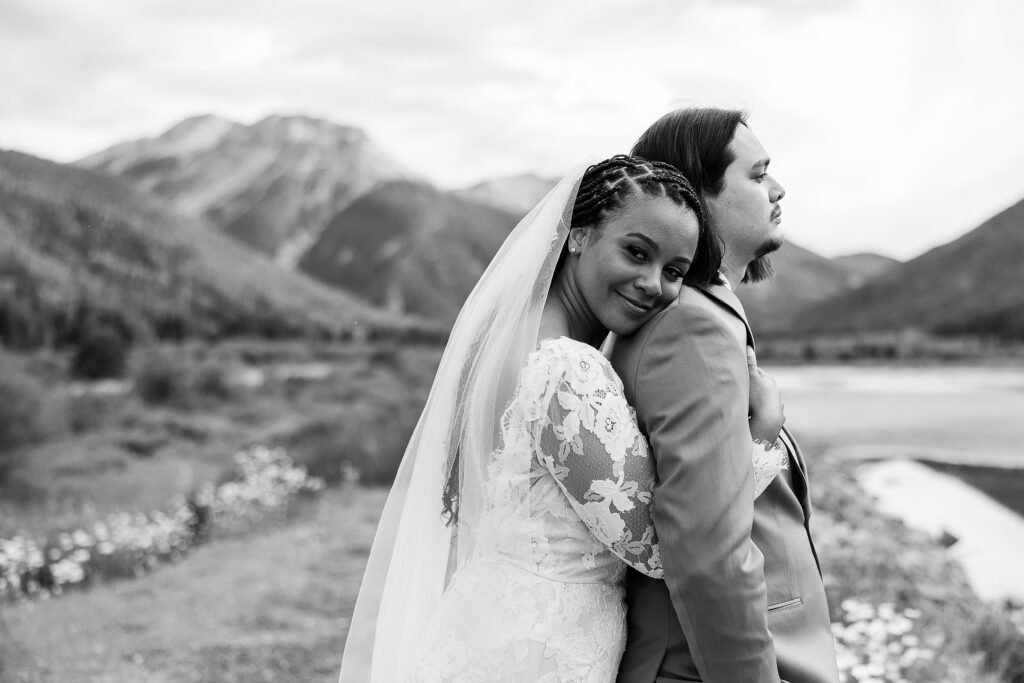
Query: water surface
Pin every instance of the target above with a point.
(961, 415)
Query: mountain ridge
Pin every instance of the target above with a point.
(272, 185)
(75, 242)
(972, 285)
(409, 248)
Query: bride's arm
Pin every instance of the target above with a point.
(601, 461)
(592, 447)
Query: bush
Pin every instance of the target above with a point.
(161, 379)
(101, 352)
(365, 441)
(212, 381)
(22, 413)
(1002, 645)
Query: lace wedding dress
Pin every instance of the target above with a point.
(541, 601)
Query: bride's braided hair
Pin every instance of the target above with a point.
(607, 185)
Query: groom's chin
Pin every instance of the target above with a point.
(761, 267)
(770, 246)
(758, 270)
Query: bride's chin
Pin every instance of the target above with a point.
(625, 327)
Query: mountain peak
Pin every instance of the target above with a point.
(198, 132)
(273, 184)
(301, 129)
(518, 193)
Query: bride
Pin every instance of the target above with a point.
(525, 490)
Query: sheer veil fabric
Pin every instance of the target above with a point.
(415, 553)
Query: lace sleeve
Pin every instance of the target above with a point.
(769, 460)
(592, 446)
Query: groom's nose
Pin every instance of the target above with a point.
(777, 191)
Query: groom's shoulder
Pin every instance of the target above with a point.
(692, 313)
(694, 309)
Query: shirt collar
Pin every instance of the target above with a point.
(725, 281)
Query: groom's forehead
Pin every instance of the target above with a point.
(747, 150)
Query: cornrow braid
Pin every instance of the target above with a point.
(607, 185)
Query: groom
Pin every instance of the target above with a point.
(742, 600)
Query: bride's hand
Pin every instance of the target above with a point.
(767, 412)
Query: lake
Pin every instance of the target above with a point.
(968, 421)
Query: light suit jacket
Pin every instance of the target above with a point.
(742, 600)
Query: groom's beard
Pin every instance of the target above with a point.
(761, 267)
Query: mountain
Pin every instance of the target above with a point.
(409, 248)
(863, 267)
(973, 285)
(515, 194)
(79, 248)
(801, 279)
(272, 185)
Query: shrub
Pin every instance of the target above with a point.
(21, 325)
(212, 381)
(22, 414)
(162, 379)
(365, 441)
(1002, 645)
(101, 352)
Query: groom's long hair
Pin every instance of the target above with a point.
(696, 141)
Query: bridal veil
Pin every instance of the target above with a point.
(415, 551)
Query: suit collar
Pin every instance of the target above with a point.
(725, 297)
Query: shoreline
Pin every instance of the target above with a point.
(987, 537)
(938, 457)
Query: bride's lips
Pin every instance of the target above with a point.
(635, 305)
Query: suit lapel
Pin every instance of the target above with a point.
(728, 300)
(725, 298)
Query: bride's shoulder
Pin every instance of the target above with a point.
(563, 357)
(569, 349)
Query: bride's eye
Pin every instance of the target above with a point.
(675, 274)
(637, 253)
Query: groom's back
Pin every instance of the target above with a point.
(656, 648)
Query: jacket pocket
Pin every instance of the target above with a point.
(795, 602)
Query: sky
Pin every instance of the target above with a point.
(895, 125)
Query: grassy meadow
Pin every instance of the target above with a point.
(270, 601)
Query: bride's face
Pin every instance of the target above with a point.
(632, 266)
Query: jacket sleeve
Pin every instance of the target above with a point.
(692, 393)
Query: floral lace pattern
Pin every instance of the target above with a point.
(588, 441)
(568, 499)
(769, 461)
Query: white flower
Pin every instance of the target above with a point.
(617, 493)
(604, 524)
(589, 560)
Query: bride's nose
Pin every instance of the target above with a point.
(649, 282)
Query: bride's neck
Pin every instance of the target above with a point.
(566, 314)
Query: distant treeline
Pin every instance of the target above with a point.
(99, 324)
(910, 345)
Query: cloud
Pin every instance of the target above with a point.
(893, 125)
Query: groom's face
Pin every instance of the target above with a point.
(747, 212)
